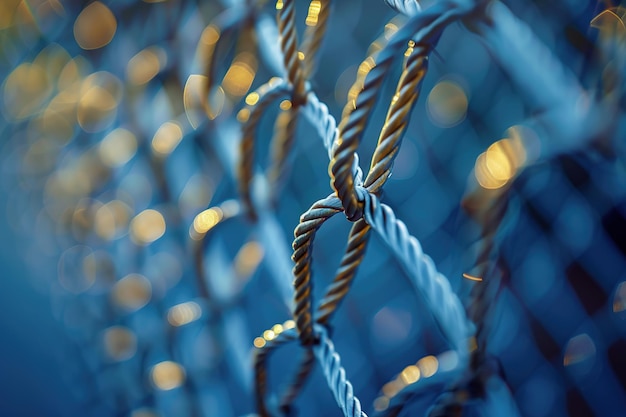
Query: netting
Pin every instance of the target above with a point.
(205, 209)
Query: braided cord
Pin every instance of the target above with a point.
(297, 71)
(406, 7)
(310, 222)
(396, 121)
(338, 289)
(289, 43)
(336, 376)
(420, 27)
(335, 293)
(435, 288)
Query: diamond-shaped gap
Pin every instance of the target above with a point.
(574, 170)
(590, 294)
(577, 406)
(617, 359)
(614, 223)
(549, 347)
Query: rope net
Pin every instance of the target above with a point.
(193, 180)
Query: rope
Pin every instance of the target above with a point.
(420, 28)
(406, 7)
(336, 376)
(267, 94)
(359, 201)
(313, 37)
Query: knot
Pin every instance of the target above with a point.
(310, 339)
(300, 90)
(288, 410)
(353, 198)
(356, 212)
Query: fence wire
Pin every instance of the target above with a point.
(198, 192)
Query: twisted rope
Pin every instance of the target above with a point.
(387, 149)
(435, 288)
(329, 360)
(285, 129)
(388, 146)
(336, 292)
(420, 28)
(314, 110)
(298, 68)
(310, 222)
(406, 7)
(305, 367)
(318, 114)
(396, 121)
(338, 289)
(336, 376)
(289, 43)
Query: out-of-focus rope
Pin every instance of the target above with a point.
(314, 35)
(299, 66)
(406, 7)
(286, 124)
(218, 32)
(266, 94)
(488, 208)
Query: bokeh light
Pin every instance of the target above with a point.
(132, 292)
(147, 226)
(95, 26)
(167, 375)
(447, 104)
(120, 343)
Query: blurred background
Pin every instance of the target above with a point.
(115, 181)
